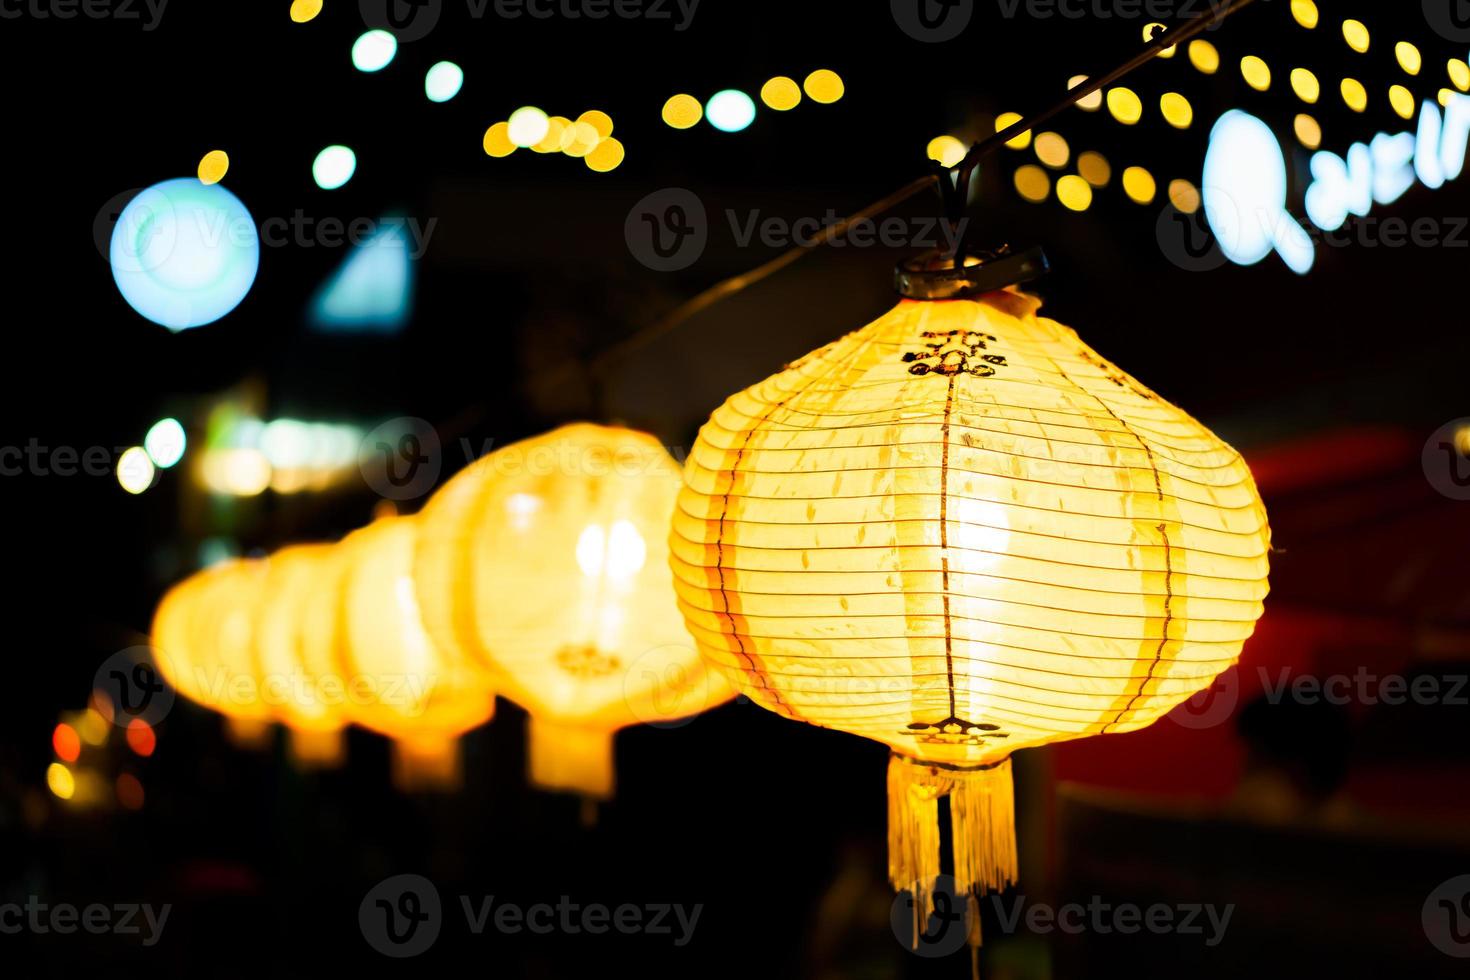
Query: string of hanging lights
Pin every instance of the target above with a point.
(952, 182)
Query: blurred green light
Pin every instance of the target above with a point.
(165, 443)
(443, 81)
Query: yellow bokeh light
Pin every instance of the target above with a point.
(1032, 183)
(824, 86)
(946, 150)
(605, 156)
(1074, 193)
(1176, 109)
(1148, 35)
(1125, 105)
(556, 128)
(1305, 12)
(1460, 74)
(93, 728)
(683, 111)
(1445, 94)
(497, 140)
(60, 781)
(1356, 35)
(1052, 150)
(1354, 94)
(1139, 185)
(781, 93)
(599, 121)
(1409, 58)
(1257, 73)
(1184, 196)
(1005, 121)
(579, 139)
(214, 166)
(1305, 85)
(1094, 168)
(1308, 131)
(1402, 101)
(1204, 56)
(303, 11)
(1088, 103)
(135, 470)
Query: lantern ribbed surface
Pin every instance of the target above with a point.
(547, 563)
(959, 531)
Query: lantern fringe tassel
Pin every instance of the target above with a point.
(317, 749)
(427, 764)
(982, 832)
(569, 758)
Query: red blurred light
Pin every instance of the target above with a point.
(66, 742)
(130, 791)
(141, 738)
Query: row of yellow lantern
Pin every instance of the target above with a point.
(540, 572)
(318, 637)
(958, 531)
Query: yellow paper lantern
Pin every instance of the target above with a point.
(960, 532)
(296, 640)
(400, 683)
(203, 632)
(546, 561)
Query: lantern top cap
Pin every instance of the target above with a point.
(936, 276)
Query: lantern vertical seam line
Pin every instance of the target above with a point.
(1163, 532)
(944, 543)
(720, 561)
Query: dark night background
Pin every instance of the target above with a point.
(1326, 826)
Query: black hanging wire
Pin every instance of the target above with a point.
(952, 183)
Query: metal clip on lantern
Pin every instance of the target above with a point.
(935, 276)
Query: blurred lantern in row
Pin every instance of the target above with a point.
(546, 563)
(318, 637)
(437, 697)
(541, 572)
(960, 532)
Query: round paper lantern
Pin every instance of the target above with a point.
(546, 561)
(296, 652)
(203, 632)
(402, 684)
(960, 532)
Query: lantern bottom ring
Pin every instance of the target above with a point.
(935, 275)
(952, 766)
